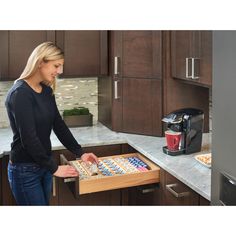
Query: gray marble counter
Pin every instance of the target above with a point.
(183, 167)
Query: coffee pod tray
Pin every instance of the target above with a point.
(204, 159)
(112, 172)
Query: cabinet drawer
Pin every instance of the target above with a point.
(131, 176)
(177, 193)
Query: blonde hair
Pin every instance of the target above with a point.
(45, 52)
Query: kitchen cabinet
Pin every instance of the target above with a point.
(175, 193)
(139, 114)
(61, 195)
(130, 98)
(112, 197)
(178, 95)
(203, 201)
(146, 195)
(15, 48)
(136, 54)
(6, 194)
(192, 56)
(135, 102)
(85, 52)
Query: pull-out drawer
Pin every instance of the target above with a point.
(113, 172)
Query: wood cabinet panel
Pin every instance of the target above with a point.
(21, 44)
(125, 100)
(7, 196)
(181, 42)
(129, 100)
(192, 56)
(4, 54)
(66, 197)
(178, 95)
(85, 52)
(142, 102)
(174, 192)
(148, 195)
(203, 201)
(141, 54)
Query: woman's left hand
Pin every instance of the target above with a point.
(86, 157)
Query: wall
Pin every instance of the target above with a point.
(69, 93)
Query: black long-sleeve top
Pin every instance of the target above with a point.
(32, 117)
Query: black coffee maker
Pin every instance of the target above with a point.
(189, 122)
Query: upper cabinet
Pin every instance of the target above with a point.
(15, 48)
(191, 56)
(85, 51)
(136, 74)
(137, 54)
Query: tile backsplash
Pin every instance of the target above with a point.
(69, 93)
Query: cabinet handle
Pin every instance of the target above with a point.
(187, 67)
(116, 64)
(116, 89)
(68, 180)
(193, 60)
(54, 190)
(148, 190)
(170, 187)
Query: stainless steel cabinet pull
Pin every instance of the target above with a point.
(193, 61)
(116, 89)
(170, 187)
(187, 68)
(54, 190)
(67, 180)
(148, 190)
(116, 64)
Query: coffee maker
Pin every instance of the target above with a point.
(189, 122)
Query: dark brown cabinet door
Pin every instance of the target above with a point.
(135, 58)
(191, 53)
(7, 198)
(4, 35)
(174, 192)
(204, 202)
(146, 195)
(136, 54)
(85, 52)
(142, 104)
(20, 46)
(140, 54)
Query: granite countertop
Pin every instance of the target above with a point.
(183, 167)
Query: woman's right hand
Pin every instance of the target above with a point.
(66, 171)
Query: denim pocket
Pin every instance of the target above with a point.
(30, 168)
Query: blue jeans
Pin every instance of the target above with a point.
(30, 184)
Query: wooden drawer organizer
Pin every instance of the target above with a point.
(100, 182)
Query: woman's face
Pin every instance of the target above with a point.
(50, 70)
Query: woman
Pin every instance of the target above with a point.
(33, 113)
